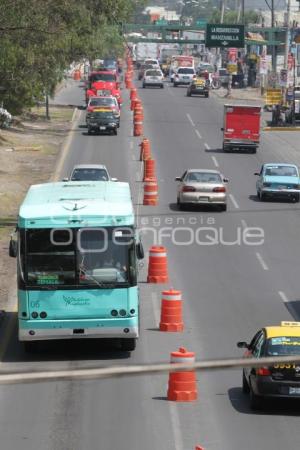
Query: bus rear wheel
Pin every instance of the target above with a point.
(128, 345)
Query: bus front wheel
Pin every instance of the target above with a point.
(128, 345)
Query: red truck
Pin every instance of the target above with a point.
(241, 127)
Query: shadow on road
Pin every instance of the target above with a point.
(63, 350)
(275, 407)
(193, 208)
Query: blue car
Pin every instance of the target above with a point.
(278, 181)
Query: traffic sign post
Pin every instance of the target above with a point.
(223, 35)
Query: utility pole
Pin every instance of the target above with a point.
(222, 10)
(243, 11)
(287, 41)
(273, 37)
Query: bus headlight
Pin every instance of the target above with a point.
(122, 312)
(34, 315)
(114, 312)
(43, 315)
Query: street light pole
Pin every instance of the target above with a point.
(287, 41)
(273, 36)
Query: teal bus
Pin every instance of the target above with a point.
(77, 252)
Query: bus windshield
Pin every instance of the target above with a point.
(77, 257)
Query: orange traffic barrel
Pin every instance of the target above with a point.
(137, 116)
(77, 75)
(138, 103)
(171, 311)
(182, 386)
(150, 192)
(139, 107)
(149, 169)
(138, 128)
(145, 150)
(133, 93)
(158, 265)
(138, 113)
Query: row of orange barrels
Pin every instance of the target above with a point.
(149, 176)
(182, 385)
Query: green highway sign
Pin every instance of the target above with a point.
(161, 22)
(224, 35)
(201, 22)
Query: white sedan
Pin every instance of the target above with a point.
(202, 187)
(153, 77)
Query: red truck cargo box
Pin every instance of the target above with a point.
(241, 127)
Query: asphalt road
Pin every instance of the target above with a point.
(230, 289)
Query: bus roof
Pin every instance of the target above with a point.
(77, 204)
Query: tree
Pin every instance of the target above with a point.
(39, 39)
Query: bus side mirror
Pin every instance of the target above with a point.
(13, 248)
(222, 129)
(140, 251)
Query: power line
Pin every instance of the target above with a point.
(153, 368)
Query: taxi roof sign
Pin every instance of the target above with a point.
(290, 324)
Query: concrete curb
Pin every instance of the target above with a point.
(281, 129)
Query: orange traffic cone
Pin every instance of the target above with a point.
(149, 169)
(182, 385)
(198, 447)
(150, 192)
(171, 311)
(145, 150)
(158, 265)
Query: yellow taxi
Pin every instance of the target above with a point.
(199, 86)
(280, 380)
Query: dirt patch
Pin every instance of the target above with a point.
(28, 153)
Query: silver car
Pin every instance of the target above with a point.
(153, 77)
(183, 75)
(89, 172)
(202, 187)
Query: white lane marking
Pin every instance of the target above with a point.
(176, 426)
(132, 157)
(73, 115)
(206, 146)
(198, 134)
(156, 310)
(235, 203)
(169, 90)
(283, 297)
(215, 161)
(131, 145)
(190, 119)
(139, 177)
(244, 224)
(262, 262)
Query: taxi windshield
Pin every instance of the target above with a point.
(99, 102)
(102, 102)
(279, 346)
